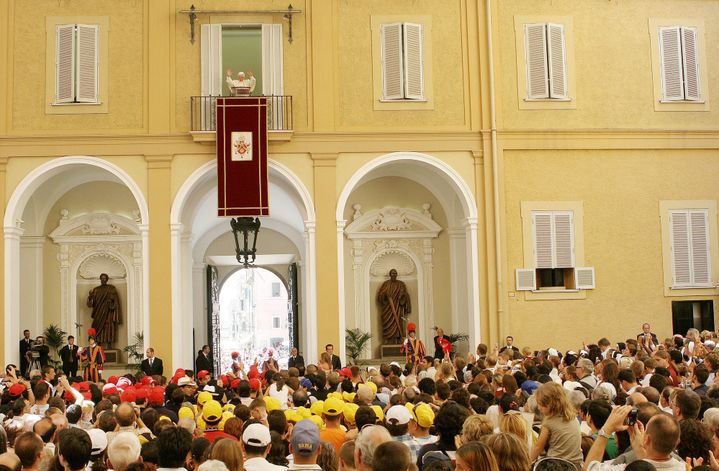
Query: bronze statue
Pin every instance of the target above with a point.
(105, 304)
(394, 304)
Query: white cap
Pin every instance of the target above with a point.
(256, 435)
(553, 352)
(398, 413)
(98, 440)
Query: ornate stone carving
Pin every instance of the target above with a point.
(100, 224)
(358, 211)
(388, 260)
(392, 219)
(425, 210)
(94, 265)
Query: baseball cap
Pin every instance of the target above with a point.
(185, 381)
(203, 397)
(16, 389)
(305, 438)
(98, 439)
(254, 384)
(272, 403)
(422, 414)
(256, 435)
(350, 412)
(156, 396)
(202, 374)
(123, 382)
(398, 415)
(306, 383)
(317, 407)
(212, 411)
(333, 406)
(378, 412)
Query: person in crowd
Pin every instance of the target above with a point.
(92, 358)
(123, 450)
(228, 452)
(333, 432)
(412, 347)
(305, 445)
(508, 346)
(296, 361)
(368, 440)
(29, 448)
(70, 354)
(391, 456)
(26, 344)
(204, 360)
(439, 342)
(510, 451)
(256, 444)
(174, 444)
(476, 456)
(336, 363)
(560, 428)
(151, 366)
(74, 449)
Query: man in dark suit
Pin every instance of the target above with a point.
(69, 355)
(151, 365)
(509, 345)
(336, 363)
(25, 346)
(296, 361)
(204, 360)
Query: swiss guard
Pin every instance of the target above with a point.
(412, 347)
(92, 358)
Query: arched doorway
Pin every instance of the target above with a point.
(255, 318)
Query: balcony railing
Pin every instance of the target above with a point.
(279, 113)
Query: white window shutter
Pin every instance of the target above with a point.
(690, 61)
(563, 240)
(413, 62)
(64, 63)
(681, 264)
(526, 279)
(584, 278)
(392, 77)
(543, 247)
(557, 61)
(671, 56)
(87, 63)
(700, 260)
(535, 50)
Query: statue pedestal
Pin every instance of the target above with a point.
(389, 350)
(112, 356)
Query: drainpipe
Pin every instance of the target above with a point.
(495, 169)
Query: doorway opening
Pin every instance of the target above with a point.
(254, 319)
(692, 314)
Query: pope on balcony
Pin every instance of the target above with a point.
(242, 81)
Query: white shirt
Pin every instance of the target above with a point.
(261, 464)
(668, 465)
(281, 395)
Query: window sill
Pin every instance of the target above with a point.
(76, 108)
(689, 102)
(554, 294)
(693, 287)
(547, 100)
(382, 104)
(402, 100)
(547, 103)
(77, 103)
(555, 290)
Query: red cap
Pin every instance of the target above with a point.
(225, 382)
(17, 389)
(83, 386)
(179, 372)
(91, 332)
(128, 396)
(411, 327)
(254, 384)
(202, 374)
(254, 372)
(109, 389)
(113, 379)
(346, 372)
(235, 383)
(141, 393)
(235, 354)
(156, 396)
(147, 381)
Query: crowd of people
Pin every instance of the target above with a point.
(639, 404)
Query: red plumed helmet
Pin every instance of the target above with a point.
(411, 327)
(91, 332)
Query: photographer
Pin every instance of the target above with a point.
(39, 353)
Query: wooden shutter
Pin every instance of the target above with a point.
(699, 242)
(690, 62)
(563, 240)
(681, 265)
(391, 45)
(543, 250)
(584, 278)
(87, 63)
(535, 50)
(557, 61)
(64, 63)
(671, 56)
(526, 279)
(413, 62)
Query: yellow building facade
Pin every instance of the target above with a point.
(512, 124)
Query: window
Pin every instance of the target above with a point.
(76, 63)
(678, 50)
(402, 62)
(553, 252)
(275, 290)
(691, 262)
(276, 322)
(546, 61)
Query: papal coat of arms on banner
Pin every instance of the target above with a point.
(241, 146)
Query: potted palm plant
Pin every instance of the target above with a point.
(135, 351)
(54, 338)
(356, 342)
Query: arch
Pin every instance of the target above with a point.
(38, 176)
(13, 231)
(467, 221)
(184, 250)
(469, 204)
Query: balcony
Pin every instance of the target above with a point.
(203, 120)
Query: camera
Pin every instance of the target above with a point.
(632, 417)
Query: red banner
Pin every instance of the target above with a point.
(242, 179)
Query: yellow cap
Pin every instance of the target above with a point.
(378, 412)
(304, 412)
(348, 396)
(333, 406)
(335, 395)
(185, 412)
(292, 416)
(349, 413)
(272, 403)
(318, 421)
(317, 407)
(372, 386)
(228, 407)
(203, 397)
(422, 414)
(212, 411)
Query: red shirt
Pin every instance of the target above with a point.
(213, 435)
